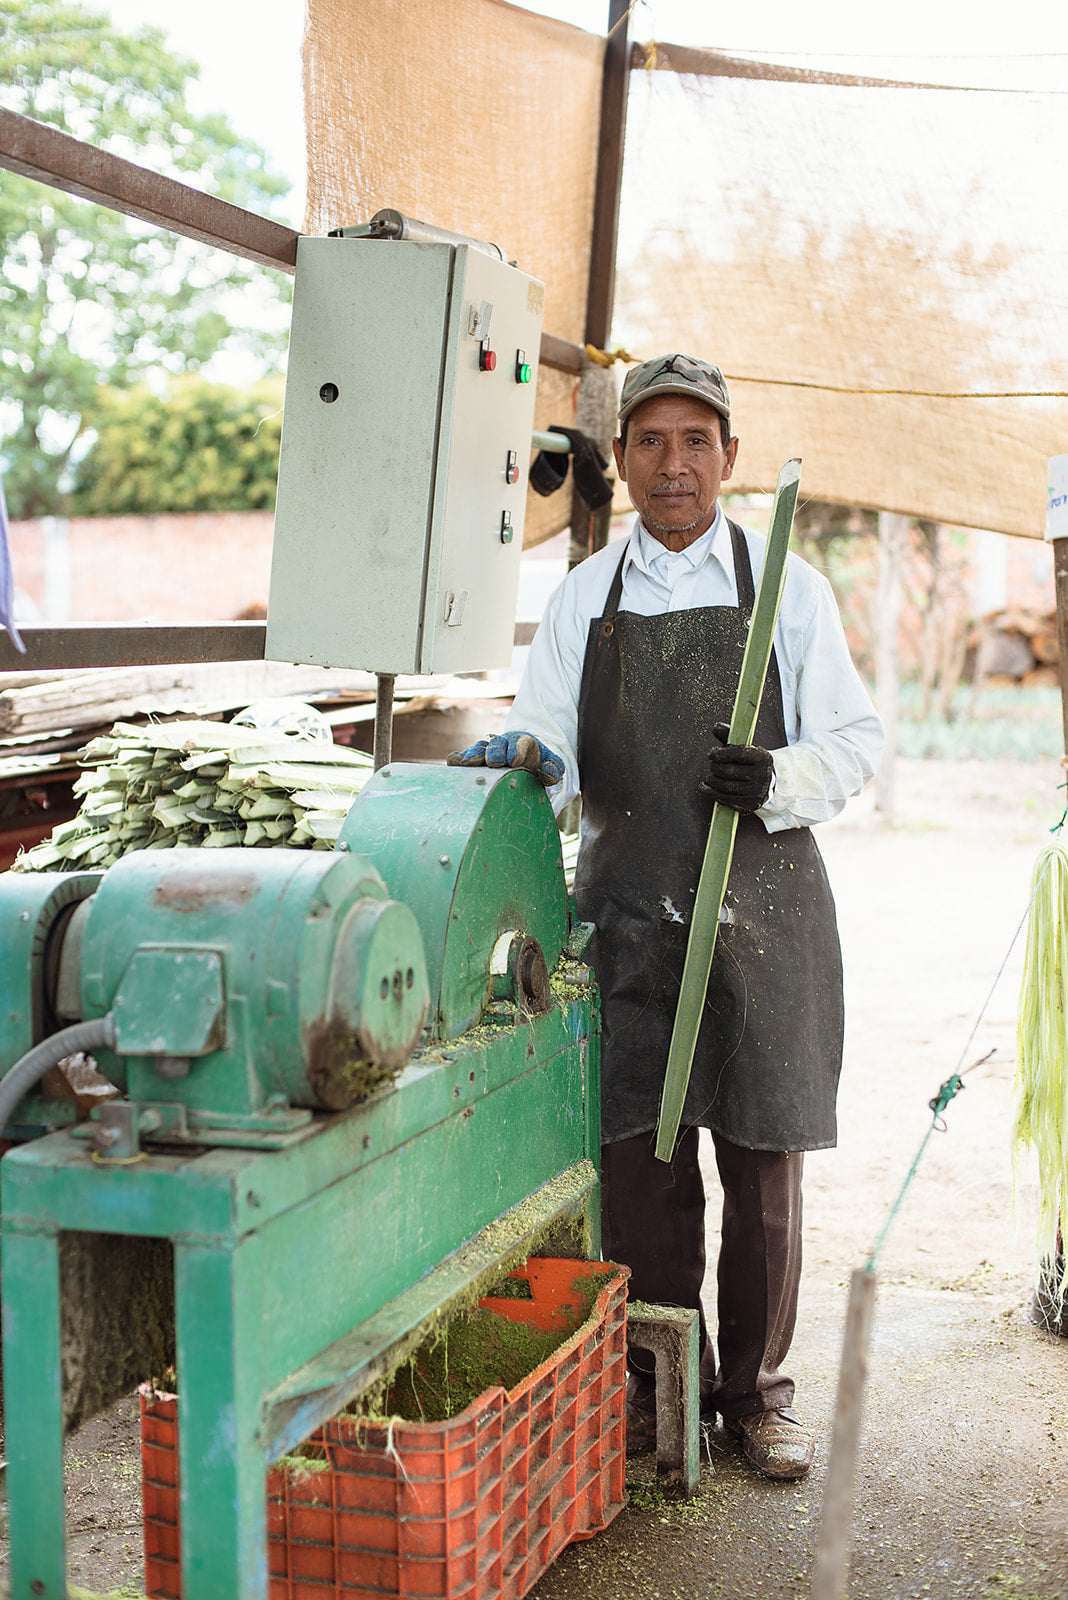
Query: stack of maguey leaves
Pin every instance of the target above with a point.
(209, 785)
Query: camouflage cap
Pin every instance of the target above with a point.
(675, 374)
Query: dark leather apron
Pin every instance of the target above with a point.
(765, 1071)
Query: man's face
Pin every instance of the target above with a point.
(673, 466)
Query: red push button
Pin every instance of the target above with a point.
(487, 358)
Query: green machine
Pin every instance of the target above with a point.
(353, 1087)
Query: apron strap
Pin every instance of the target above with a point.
(615, 593)
(743, 570)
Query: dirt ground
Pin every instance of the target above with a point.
(963, 1479)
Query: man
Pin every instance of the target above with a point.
(628, 689)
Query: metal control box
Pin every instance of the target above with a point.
(405, 448)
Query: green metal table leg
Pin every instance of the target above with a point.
(33, 1414)
(221, 1462)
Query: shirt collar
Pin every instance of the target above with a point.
(713, 545)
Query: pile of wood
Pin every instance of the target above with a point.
(1016, 647)
(44, 702)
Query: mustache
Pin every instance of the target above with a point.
(672, 488)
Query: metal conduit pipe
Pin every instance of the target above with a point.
(31, 1067)
(559, 443)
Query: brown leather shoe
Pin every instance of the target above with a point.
(774, 1442)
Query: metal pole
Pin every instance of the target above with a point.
(383, 750)
(831, 1575)
(589, 529)
(1060, 581)
(615, 82)
(557, 443)
(1044, 1306)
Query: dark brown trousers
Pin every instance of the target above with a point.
(653, 1221)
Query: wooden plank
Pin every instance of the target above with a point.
(86, 699)
(52, 652)
(830, 1580)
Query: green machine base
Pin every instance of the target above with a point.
(300, 1273)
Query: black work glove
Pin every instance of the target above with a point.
(548, 470)
(739, 775)
(590, 467)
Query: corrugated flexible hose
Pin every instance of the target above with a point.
(31, 1067)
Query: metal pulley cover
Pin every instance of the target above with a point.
(475, 853)
(35, 911)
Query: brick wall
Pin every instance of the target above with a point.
(194, 567)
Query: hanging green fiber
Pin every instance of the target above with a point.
(1042, 1059)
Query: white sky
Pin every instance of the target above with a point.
(249, 50)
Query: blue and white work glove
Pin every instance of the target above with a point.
(513, 749)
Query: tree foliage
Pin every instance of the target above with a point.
(199, 446)
(91, 298)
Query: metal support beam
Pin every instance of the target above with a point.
(131, 644)
(601, 290)
(713, 64)
(38, 151)
(589, 530)
(43, 153)
(383, 746)
(560, 354)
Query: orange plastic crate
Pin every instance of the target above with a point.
(475, 1508)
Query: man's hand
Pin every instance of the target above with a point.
(514, 749)
(739, 775)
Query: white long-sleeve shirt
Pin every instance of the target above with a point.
(834, 736)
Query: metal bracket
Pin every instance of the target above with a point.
(117, 1130)
(672, 1334)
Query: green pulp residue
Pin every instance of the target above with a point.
(478, 1349)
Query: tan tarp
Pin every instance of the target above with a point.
(865, 239)
(473, 115)
(822, 243)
